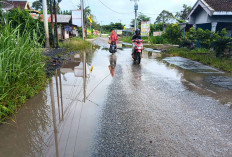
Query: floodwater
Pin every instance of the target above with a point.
(163, 107)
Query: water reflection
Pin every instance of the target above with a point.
(113, 62)
(76, 68)
(54, 114)
(203, 79)
(28, 136)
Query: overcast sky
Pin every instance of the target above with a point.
(149, 7)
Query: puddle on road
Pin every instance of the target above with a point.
(204, 79)
(188, 64)
(195, 76)
(152, 50)
(61, 121)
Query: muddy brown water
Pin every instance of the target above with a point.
(64, 119)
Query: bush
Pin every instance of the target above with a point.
(208, 59)
(207, 39)
(158, 40)
(126, 39)
(222, 43)
(22, 71)
(24, 23)
(76, 44)
(145, 39)
(173, 34)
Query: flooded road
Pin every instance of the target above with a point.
(163, 107)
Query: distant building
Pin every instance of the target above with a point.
(23, 5)
(213, 15)
(65, 27)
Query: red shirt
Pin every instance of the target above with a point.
(114, 38)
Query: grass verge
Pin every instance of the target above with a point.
(76, 44)
(204, 56)
(22, 73)
(128, 39)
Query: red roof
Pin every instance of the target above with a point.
(36, 16)
(220, 5)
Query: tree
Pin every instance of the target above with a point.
(173, 34)
(157, 27)
(183, 15)
(66, 12)
(38, 5)
(140, 18)
(205, 38)
(112, 26)
(165, 17)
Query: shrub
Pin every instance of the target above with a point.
(24, 23)
(173, 34)
(209, 59)
(158, 40)
(222, 43)
(76, 44)
(22, 71)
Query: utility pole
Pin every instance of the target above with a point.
(55, 10)
(45, 19)
(82, 19)
(136, 7)
(101, 29)
(53, 39)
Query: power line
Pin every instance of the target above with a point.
(114, 10)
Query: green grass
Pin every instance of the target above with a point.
(126, 39)
(158, 40)
(76, 44)
(22, 73)
(92, 36)
(204, 56)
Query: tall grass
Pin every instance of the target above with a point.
(21, 68)
(201, 55)
(76, 44)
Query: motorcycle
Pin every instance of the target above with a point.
(137, 50)
(113, 47)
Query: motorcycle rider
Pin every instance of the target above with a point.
(113, 38)
(136, 36)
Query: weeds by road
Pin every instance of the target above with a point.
(204, 56)
(22, 72)
(76, 44)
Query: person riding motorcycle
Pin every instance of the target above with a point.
(113, 38)
(136, 36)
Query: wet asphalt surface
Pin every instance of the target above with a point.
(149, 112)
(163, 107)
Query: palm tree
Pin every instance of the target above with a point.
(38, 5)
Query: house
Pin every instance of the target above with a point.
(23, 5)
(65, 27)
(213, 15)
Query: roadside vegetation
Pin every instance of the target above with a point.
(204, 56)
(76, 44)
(210, 48)
(22, 73)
